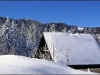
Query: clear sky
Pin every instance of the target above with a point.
(80, 13)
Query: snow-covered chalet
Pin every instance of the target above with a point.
(74, 50)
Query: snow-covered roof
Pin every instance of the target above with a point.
(79, 49)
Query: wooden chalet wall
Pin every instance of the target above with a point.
(42, 51)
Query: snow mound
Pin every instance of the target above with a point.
(11, 64)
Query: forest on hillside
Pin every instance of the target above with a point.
(22, 36)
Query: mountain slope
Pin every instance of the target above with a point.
(21, 37)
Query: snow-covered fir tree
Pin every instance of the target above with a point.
(64, 30)
(52, 28)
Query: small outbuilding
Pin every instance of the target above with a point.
(74, 50)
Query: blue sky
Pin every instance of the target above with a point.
(80, 13)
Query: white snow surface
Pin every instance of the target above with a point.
(80, 28)
(80, 48)
(11, 64)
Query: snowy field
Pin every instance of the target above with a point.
(11, 64)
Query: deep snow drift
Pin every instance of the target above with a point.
(11, 64)
(79, 49)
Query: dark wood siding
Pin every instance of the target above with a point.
(85, 66)
(42, 51)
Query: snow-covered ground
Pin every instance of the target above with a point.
(11, 64)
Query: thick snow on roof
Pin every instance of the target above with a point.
(73, 49)
(11, 64)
